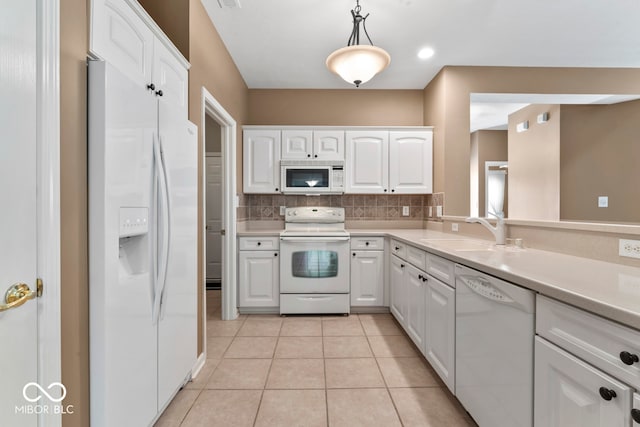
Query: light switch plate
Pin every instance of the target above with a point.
(438, 211)
(283, 210)
(405, 211)
(603, 201)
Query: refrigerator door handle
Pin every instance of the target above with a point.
(168, 212)
(163, 249)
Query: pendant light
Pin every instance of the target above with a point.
(358, 63)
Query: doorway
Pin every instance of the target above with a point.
(218, 211)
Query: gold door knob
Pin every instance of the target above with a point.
(17, 295)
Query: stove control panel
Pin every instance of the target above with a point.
(314, 214)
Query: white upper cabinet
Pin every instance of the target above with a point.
(261, 161)
(328, 145)
(297, 144)
(123, 34)
(410, 162)
(367, 162)
(313, 144)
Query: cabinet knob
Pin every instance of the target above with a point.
(354, 254)
(315, 155)
(275, 254)
(424, 278)
(366, 243)
(276, 189)
(397, 248)
(159, 93)
(259, 243)
(385, 190)
(308, 155)
(635, 414)
(401, 265)
(393, 191)
(629, 358)
(151, 86)
(420, 276)
(607, 394)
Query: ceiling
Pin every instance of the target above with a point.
(284, 43)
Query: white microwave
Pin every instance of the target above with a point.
(312, 176)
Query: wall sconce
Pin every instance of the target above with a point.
(522, 126)
(543, 118)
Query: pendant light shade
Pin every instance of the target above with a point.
(358, 63)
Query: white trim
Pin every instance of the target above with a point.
(48, 197)
(199, 365)
(487, 166)
(229, 255)
(345, 128)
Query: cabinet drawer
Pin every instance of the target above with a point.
(417, 257)
(399, 249)
(598, 341)
(259, 243)
(367, 243)
(441, 268)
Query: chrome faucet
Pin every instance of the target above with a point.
(497, 231)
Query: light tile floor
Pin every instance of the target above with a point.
(267, 371)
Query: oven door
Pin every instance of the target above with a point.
(310, 265)
(306, 179)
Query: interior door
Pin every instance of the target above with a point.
(214, 217)
(18, 325)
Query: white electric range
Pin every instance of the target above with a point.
(314, 261)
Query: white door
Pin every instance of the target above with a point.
(367, 280)
(410, 162)
(259, 279)
(261, 153)
(398, 304)
(18, 325)
(367, 163)
(572, 393)
(440, 333)
(415, 283)
(214, 217)
(328, 144)
(297, 144)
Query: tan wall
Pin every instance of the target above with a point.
(212, 136)
(343, 107)
(73, 199)
(490, 146)
(534, 164)
(599, 154)
(452, 101)
(212, 68)
(173, 17)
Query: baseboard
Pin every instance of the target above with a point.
(199, 365)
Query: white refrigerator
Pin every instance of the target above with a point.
(142, 249)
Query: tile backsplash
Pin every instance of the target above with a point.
(380, 207)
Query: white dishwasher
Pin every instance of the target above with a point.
(494, 349)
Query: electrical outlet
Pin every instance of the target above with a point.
(283, 210)
(603, 201)
(405, 211)
(438, 211)
(430, 211)
(629, 248)
(454, 226)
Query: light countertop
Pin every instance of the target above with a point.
(607, 289)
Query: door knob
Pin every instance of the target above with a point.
(17, 295)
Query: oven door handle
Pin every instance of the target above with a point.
(314, 239)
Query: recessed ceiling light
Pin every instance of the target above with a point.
(426, 53)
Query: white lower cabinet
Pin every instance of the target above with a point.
(415, 284)
(367, 278)
(572, 393)
(398, 289)
(440, 333)
(259, 279)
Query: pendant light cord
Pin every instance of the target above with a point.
(354, 39)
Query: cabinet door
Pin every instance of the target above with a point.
(367, 163)
(170, 79)
(328, 144)
(440, 333)
(410, 162)
(120, 37)
(398, 304)
(367, 278)
(261, 166)
(635, 412)
(259, 279)
(415, 284)
(568, 392)
(297, 144)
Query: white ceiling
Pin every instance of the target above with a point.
(284, 43)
